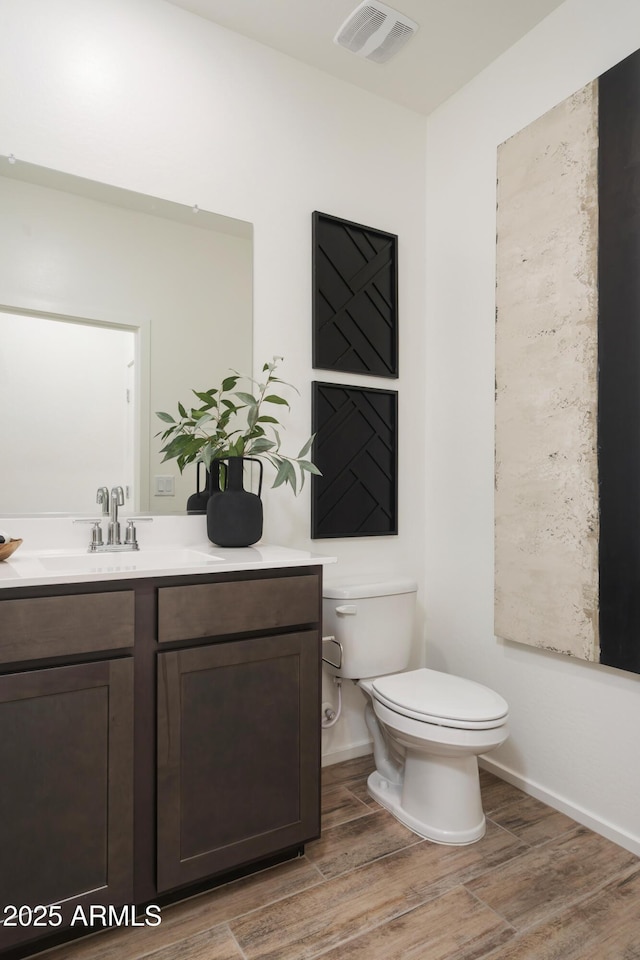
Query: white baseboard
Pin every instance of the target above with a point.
(347, 753)
(603, 827)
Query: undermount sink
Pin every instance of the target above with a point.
(165, 559)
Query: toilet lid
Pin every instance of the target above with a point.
(440, 698)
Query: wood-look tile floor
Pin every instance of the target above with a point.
(538, 885)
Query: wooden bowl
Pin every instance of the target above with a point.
(6, 549)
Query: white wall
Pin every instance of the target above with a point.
(146, 96)
(574, 726)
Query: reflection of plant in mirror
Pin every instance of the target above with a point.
(223, 427)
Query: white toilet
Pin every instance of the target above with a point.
(428, 728)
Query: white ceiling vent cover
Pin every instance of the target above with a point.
(375, 31)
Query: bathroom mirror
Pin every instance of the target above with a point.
(113, 305)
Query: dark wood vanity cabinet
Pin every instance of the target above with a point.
(238, 727)
(66, 763)
(217, 678)
(237, 756)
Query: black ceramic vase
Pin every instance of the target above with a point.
(234, 515)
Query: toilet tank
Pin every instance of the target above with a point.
(372, 619)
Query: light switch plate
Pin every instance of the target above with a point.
(164, 486)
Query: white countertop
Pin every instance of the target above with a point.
(49, 555)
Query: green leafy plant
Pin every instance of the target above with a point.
(232, 423)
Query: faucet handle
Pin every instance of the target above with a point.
(130, 537)
(96, 531)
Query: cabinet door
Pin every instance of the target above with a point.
(238, 753)
(66, 803)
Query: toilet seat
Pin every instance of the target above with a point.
(441, 699)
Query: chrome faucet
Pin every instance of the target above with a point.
(110, 504)
(117, 500)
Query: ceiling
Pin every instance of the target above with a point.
(455, 41)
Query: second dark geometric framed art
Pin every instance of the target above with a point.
(356, 448)
(355, 297)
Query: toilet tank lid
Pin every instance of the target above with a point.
(354, 588)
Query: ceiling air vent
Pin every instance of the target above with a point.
(375, 31)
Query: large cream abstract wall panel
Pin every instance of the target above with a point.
(567, 371)
(546, 369)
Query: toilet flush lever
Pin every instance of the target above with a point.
(347, 610)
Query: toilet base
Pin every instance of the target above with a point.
(389, 796)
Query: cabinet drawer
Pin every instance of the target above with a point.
(42, 627)
(244, 606)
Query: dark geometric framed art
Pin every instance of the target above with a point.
(355, 297)
(356, 448)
